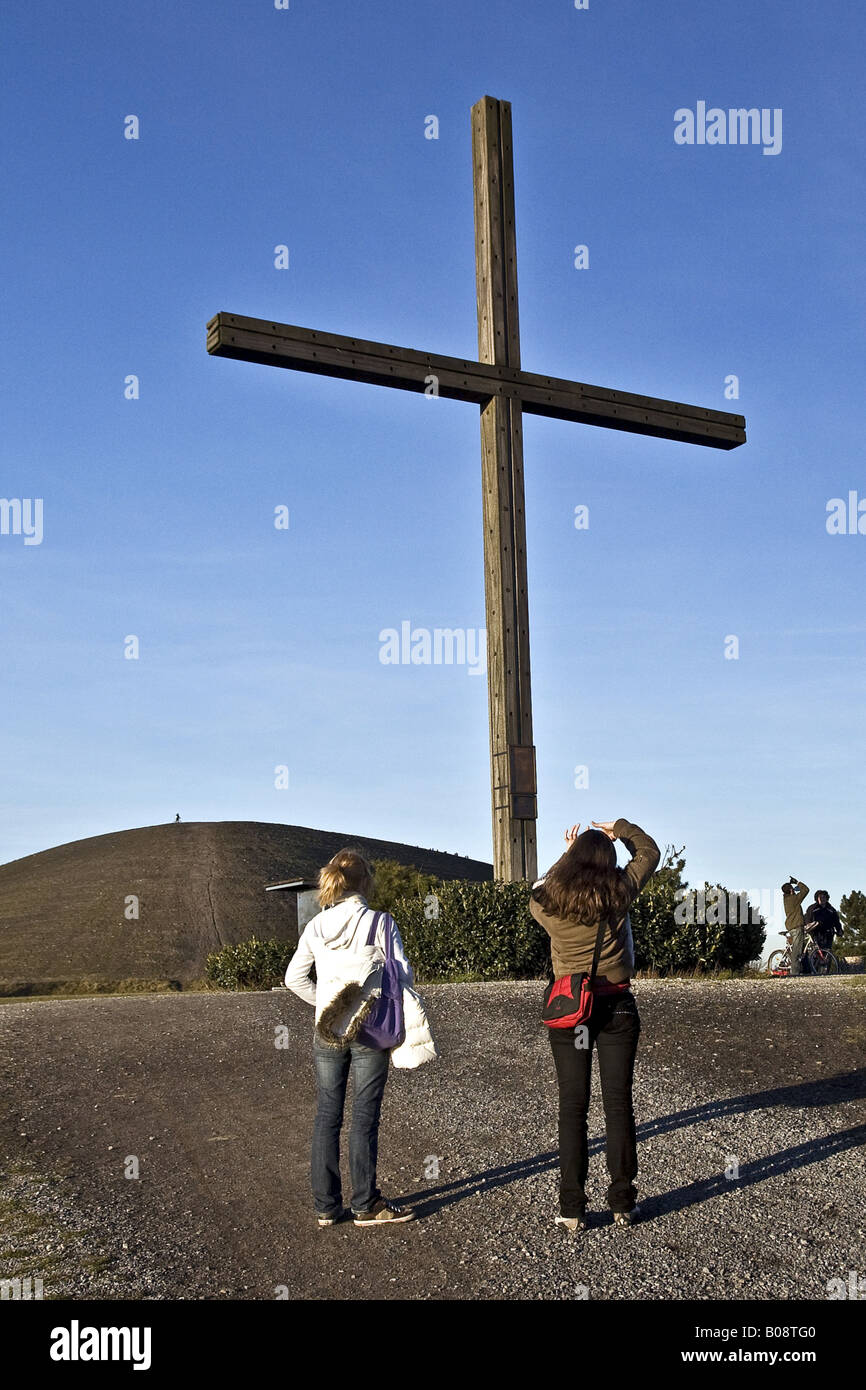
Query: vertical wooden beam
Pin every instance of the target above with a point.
(512, 755)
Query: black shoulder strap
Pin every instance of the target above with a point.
(597, 952)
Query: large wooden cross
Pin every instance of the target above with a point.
(504, 391)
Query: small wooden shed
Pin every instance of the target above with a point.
(304, 896)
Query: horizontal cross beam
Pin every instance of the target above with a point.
(331, 354)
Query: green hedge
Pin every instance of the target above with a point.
(665, 940)
(251, 964)
(485, 931)
(482, 930)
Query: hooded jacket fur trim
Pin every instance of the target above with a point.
(340, 1021)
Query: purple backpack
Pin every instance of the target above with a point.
(383, 1026)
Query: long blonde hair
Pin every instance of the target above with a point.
(346, 872)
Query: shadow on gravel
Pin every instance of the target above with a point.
(831, 1090)
(785, 1161)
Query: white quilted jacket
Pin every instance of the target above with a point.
(349, 977)
(417, 1046)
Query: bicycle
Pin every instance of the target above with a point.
(816, 960)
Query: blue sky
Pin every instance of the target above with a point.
(260, 647)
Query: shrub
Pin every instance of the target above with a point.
(481, 930)
(741, 941)
(395, 881)
(250, 964)
(852, 910)
(658, 945)
(679, 929)
(485, 931)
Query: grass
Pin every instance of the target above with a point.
(701, 976)
(26, 1235)
(26, 993)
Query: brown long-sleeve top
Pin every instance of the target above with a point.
(572, 943)
(794, 907)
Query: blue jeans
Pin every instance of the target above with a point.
(369, 1068)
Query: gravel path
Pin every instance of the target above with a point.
(768, 1074)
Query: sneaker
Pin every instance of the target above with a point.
(331, 1218)
(572, 1223)
(626, 1218)
(383, 1212)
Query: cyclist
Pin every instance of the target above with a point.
(823, 922)
(793, 893)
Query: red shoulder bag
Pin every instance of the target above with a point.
(568, 1000)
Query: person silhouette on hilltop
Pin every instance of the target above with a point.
(177, 818)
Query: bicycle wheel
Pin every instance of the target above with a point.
(823, 962)
(778, 960)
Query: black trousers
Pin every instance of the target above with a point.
(614, 1030)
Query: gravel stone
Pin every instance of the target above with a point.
(765, 1074)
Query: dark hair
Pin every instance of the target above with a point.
(585, 882)
(787, 888)
(821, 895)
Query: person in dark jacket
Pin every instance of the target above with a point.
(823, 921)
(793, 893)
(583, 888)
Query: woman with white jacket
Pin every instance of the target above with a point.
(348, 977)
